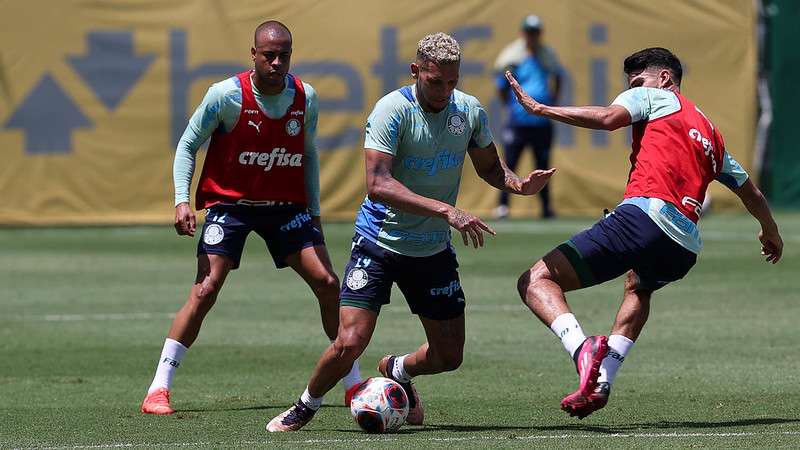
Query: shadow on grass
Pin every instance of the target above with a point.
(599, 429)
(662, 425)
(251, 408)
(469, 428)
(412, 429)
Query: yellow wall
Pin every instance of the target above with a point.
(94, 95)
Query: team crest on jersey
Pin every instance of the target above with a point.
(357, 279)
(293, 127)
(213, 234)
(456, 123)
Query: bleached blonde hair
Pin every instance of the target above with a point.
(439, 48)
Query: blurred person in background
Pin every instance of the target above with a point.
(261, 174)
(536, 68)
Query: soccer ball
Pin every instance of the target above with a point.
(380, 405)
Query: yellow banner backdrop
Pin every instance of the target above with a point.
(94, 95)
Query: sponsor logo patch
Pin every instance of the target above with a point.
(257, 126)
(278, 157)
(296, 222)
(443, 160)
(453, 287)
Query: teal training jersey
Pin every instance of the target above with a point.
(429, 151)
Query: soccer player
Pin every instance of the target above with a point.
(261, 174)
(651, 236)
(416, 140)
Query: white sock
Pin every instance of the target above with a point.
(399, 369)
(567, 328)
(353, 378)
(618, 348)
(312, 402)
(171, 356)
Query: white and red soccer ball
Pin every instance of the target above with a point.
(380, 405)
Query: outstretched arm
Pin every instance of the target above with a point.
(494, 171)
(756, 204)
(594, 117)
(384, 188)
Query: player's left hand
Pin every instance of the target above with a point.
(535, 181)
(771, 245)
(523, 98)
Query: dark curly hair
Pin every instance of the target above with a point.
(654, 57)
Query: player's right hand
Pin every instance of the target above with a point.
(523, 98)
(185, 221)
(771, 245)
(470, 226)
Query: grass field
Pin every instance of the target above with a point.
(84, 312)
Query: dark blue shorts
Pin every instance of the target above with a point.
(430, 284)
(285, 229)
(627, 239)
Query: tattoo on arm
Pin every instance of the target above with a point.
(512, 182)
(460, 219)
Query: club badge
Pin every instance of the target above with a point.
(213, 234)
(293, 127)
(357, 279)
(456, 123)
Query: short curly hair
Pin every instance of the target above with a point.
(439, 48)
(656, 58)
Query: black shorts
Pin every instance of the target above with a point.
(430, 284)
(627, 239)
(285, 229)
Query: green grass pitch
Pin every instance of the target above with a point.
(84, 312)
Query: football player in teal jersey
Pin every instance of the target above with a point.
(416, 140)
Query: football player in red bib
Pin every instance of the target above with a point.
(261, 174)
(652, 236)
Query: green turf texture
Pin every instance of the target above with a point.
(84, 313)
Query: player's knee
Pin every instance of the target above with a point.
(326, 284)
(206, 291)
(349, 345)
(531, 277)
(331, 283)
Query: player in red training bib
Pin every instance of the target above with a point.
(261, 174)
(652, 236)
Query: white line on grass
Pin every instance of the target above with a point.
(83, 317)
(657, 436)
(164, 315)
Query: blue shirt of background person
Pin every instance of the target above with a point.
(537, 69)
